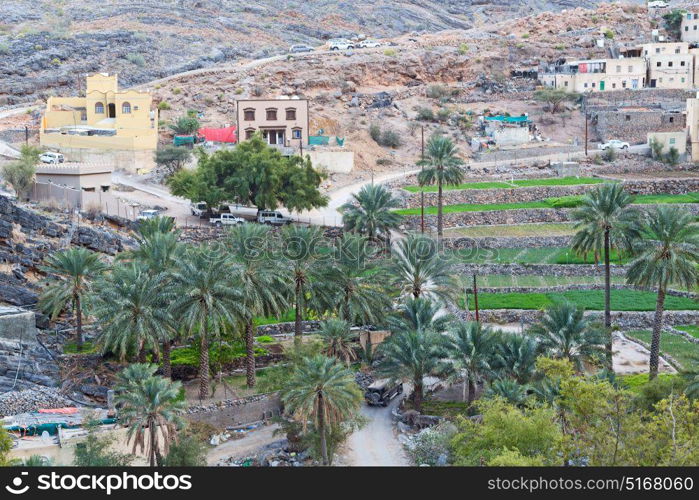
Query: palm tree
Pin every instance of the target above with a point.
(360, 297)
(473, 348)
(565, 333)
(516, 356)
(441, 166)
(605, 221)
(416, 350)
(420, 314)
(338, 339)
(76, 268)
(370, 212)
(509, 390)
(203, 301)
(130, 307)
(150, 405)
(306, 254)
(667, 254)
(418, 268)
(323, 391)
(259, 281)
(156, 225)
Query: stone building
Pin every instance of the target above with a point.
(76, 175)
(107, 125)
(596, 75)
(634, 123)
(670, 65)
(689, 29)
(283, 122)
(693, 125)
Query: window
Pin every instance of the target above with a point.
(682, 79)
(623, 84)
(630, 69)
(657, 50)
(99, 108)
(672, 140)
(566, 84)
(672, 119)
(628, 118)
(585, 84)
(618, 69)
(296, 133)
(669, 64)
(593, 85)
(677, 50)
(658, 64)
(249, 115)
(613, 85)
(272, 114)
(682, 63)
(291, 113)
(126, 108)
(249, 133)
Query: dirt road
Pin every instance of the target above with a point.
(375, 444)
(244, 447)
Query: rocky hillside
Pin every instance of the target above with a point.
(46, 46)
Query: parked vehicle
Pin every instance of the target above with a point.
(297, 49)
(369, 44)
(147, 214)
(381, 391)
(658, 4)
(614, 144)
(340, 44)
(51, 157)
(199, 208)
(272, 217)
(226, 220)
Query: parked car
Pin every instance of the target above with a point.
(614, 144)
(226, 220)
(199, 208)
(381, 391)
(51, 157)
(369, 44)
(296, 49)
(340, 44)
(272, 217)
(147, 214)
(658, 4)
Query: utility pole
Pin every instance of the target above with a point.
(475, 297)
(26, 135)
(586, 119)
(422, 190)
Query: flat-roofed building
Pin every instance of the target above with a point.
(283, 122)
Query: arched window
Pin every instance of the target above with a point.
(249, 114)
(99, 108)
(126, 108)
(291, 113)
(271, 114)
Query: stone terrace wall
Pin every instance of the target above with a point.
(234, 412)
(507, 242)
(536, 193)
(539, 269)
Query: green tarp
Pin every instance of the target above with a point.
(319, 140)
(509, 119)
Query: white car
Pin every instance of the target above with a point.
(614, 144)
(51, 157)
(369, 44)
(148, 214)
(272, 217)
(340, 44)
(199, 208)
(226, 220)
(658, 4)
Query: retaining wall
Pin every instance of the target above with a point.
(234, 412)
(507, 242)
(539, 269)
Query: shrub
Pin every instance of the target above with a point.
(265, 339)
(431, 446)
(443, 114)
(375, 132)
(4, 49)
(425, 114)
(463, 49)
(389, 52)
(163, 105)
(525, 35)
(656, 148)
(609, 154)
(437, 91)
(136, 59)
(608, 34)
(391, 139)
(238, 91)
(384, 161)
(673, 156)
(177, 91)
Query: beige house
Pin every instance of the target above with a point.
(76, 176)
(669, 140)
(670, 65)
(283, 122)
(107, 125)
(597, 75)
(693, 125)
(689, 29)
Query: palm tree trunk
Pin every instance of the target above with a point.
(348, 315)
(321, 430)
(471, 390)
(655, 340)
(79, 321)
(249, 354)
(417, 395)
(153, 444)
(142, 354)
(204, 359)
(298, 327)
(440, 229)
(607, 300)
(167, 366)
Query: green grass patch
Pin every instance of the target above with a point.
(693, 330)
(635, 382)
(680, 349)
(467, 185)
(72, 348)
(555, 181)
(512, 230)
(622, 300)
(227, 353)
(558, 202)
(448, 409)
(548, 255)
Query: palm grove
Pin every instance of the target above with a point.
(165, 292)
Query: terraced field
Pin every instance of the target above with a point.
(552, 255)
(679, 348)
(512, 230)
(563, 181)
(506, 280)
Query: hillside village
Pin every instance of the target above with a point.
(426, 224)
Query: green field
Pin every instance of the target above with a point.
(562, 181)
(512, 230)
(693, 330)
(679, 348)
(550, 255)
(622, 300)
(561, 202)
(507, 280)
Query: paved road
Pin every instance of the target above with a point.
(376, 443)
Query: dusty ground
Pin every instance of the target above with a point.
(632, 358)
(244, 447)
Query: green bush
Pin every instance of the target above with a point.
(164, 105)
(463, 49)
(265, 339)
(391, 139)
(226, 353)
(177, 91)
(425, 114)
(609, 154)
(136, 59)
(673, 156)
(375, 132)
(389, 52)
(437, 91)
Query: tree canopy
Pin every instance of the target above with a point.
(252, 173)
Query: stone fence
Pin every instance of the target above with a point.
(566, 270)
(536, 193)
(506, 242)
(515, 216)
(565, 288)
(236, 412)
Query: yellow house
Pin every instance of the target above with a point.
(107, 122)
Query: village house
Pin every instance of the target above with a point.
(670, 65)
(689, 29)
(693, 125)
(105, 126)
(283, 122)
(596, 75)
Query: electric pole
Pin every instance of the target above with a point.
(422, 190)
(475, 297)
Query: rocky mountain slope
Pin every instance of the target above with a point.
(47, 46)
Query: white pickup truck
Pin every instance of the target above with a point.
(226, 220)
(199, 208)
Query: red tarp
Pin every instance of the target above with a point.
(59, 411)
(219, 134)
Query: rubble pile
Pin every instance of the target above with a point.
(15, 402)
(363, 380)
